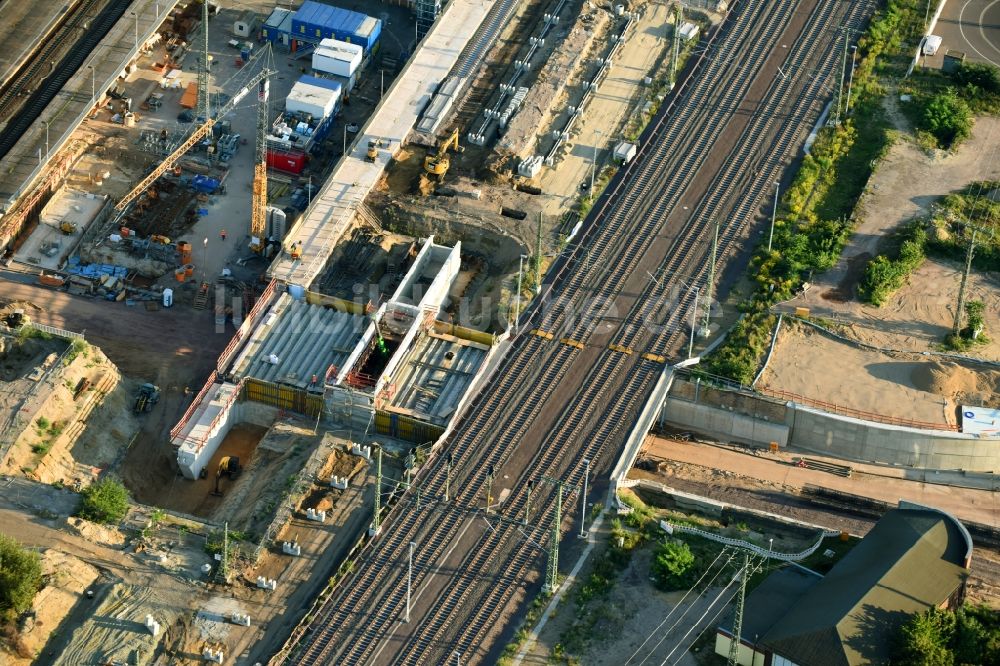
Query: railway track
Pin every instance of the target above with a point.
(619, 415)
(86, 26)
(359, 624)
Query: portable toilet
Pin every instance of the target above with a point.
(168, 297)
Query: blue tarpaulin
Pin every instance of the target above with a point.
(74, 267)
(204, 184)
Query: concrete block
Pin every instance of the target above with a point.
(363, 451)
(291, 548)
(215, 656)
(242, 619)
(317, 516)
(152, 625)
(338, 482)
(266, 583)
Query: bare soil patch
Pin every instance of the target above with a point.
(910, 386)
(918, 316)
(65, 579)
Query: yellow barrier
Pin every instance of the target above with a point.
(283, 397)
(406, 427)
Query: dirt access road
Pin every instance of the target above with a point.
(175, 349)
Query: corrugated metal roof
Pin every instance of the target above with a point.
(320, 83)
(335, 18)
(279, 18)
(306, 339)
(430, 385)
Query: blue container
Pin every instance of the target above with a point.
(315, 21)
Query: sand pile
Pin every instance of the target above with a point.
(957, 382)
(944, 378)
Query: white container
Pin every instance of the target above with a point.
(307, 98)
(333, 56)
(689, 31)
(168, 297)
(624, 152)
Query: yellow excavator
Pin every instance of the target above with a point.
(228, 466)
(436, 165)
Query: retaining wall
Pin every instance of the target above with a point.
(740, 417)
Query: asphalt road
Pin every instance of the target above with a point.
(972, 27)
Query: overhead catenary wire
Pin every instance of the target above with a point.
(687, 609)
(681, 602)
(697, 622)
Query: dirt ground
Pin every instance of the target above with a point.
(918, 316)
(768, 483)
(74, 436)
(634, 611)
(65, 579)
(909, 386)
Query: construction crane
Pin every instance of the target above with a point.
(258, 212)
(199, 133)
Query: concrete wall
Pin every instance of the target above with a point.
(740, 417)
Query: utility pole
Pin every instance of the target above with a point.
(583, 499)
(552, 575)
(711, 281)
(553, 578)
(694, 324)
(409, 583)
(538, 257)
(734, 644)
(850, 80)
(490, 472)
(447, 475)
(957, 326)
(517, 295)
(527, 501)
(675, 53)
(840, 87)
(376, 522)
(774, 214)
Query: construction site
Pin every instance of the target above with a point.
(277, 267)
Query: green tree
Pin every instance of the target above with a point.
(104, 502)
(974, 319)
(947, 118)
(20, 577)
(672, 564)
(925, 639)
(980, 75)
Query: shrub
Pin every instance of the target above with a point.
(883, 275)
(104, 502)
(672, 565)
(20, 577)
(947, 117)
(979, 76)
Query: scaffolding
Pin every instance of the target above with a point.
(427, 13)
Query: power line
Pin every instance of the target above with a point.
(679, 603)
(698, 621)
(688, 608)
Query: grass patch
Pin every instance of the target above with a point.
(814, 219)
(822, 564)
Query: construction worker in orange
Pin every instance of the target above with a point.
(222, 234)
